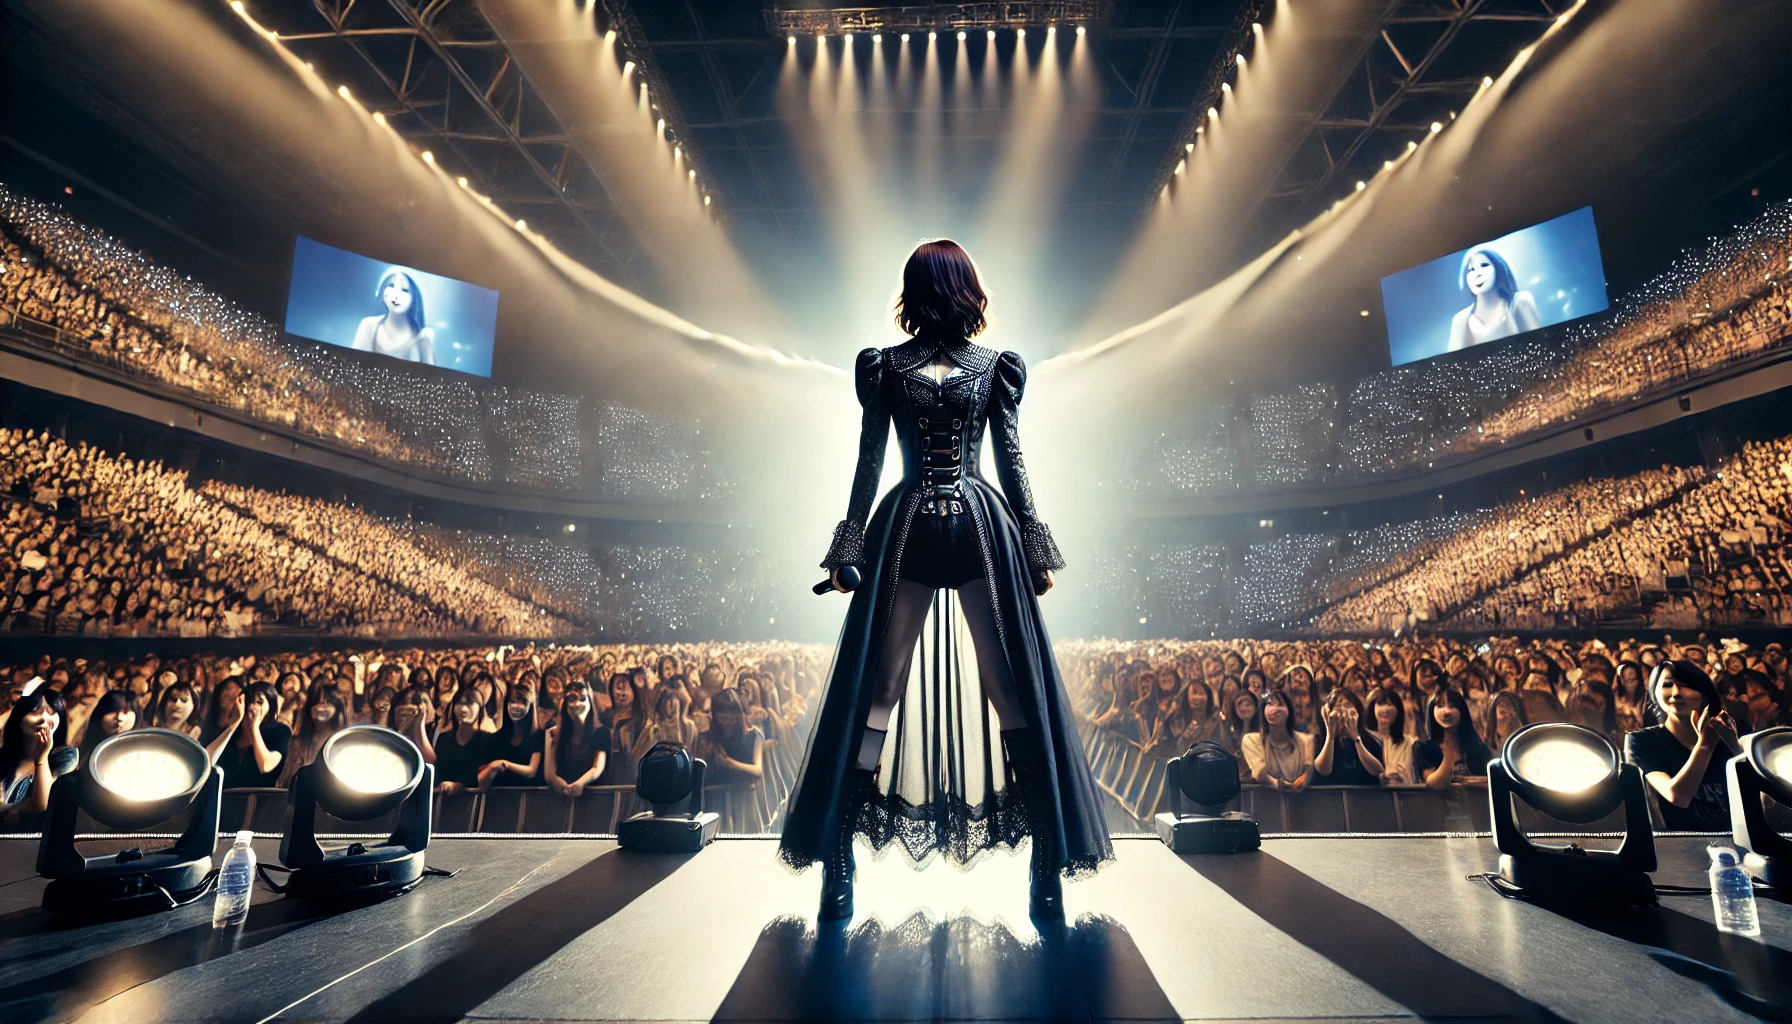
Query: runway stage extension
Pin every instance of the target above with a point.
(1365, 929)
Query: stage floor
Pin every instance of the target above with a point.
(1356, 929)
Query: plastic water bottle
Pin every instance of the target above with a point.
(1732, 894)
(237, 878)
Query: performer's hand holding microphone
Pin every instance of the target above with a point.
(844, 579)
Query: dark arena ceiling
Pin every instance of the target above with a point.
(443, 74)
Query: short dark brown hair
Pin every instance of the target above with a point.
(941, 294)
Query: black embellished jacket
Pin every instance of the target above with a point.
(939, 428)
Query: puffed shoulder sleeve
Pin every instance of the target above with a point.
(868, 375)
(848, 547)
(1004, 419)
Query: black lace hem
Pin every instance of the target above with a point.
(848, 547)
(1041, 550)
(956, 830)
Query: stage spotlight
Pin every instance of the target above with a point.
(791, 40)
(628, 68)
(905, 37)
(1080, 30)
(671, 781)
(1436, 126)
(1213, 112)
(363, 772)
(961, 37)
(1764, 768)
(133, 780)
(428, 157)
(462, 182)
(1241, 60)
(520, 226)
(1188, 147)
(1572, 773)
(1020, 33)
(1361, 185)
(877, 37)
(1207, 778)
(342, 91)
(990, 35)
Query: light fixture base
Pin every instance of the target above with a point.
(651, 833)
(1230, 832)
(1772, 872)
(358, 875)
(124, 889)
(1572, 876)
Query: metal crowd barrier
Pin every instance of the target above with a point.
(1134, 777)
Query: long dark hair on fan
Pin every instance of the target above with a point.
(942, 296)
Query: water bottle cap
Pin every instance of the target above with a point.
(1722, 856)
(243, 837)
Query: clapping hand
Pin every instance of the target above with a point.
(1715, 727)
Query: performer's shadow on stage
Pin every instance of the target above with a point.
(956, 969)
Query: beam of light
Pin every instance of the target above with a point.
(1200, 230)
(612, 126)
(1045, 134)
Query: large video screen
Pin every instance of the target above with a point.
(1545, 274)
(344, 298)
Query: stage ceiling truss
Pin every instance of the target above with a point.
(1417, 67)
(444, 79)
(790, 19)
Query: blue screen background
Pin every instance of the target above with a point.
(334, 289)
(1557, 261)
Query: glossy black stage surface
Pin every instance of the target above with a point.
(1355, 929)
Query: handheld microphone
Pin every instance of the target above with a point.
(849, 575)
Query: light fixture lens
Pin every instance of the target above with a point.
(146, 774)
(369, 767)
(1776, 761)
(1561, 758)
(1563, 767)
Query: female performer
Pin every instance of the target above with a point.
(401, 331)
(944, 541)
(1499, 309)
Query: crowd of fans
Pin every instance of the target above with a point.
(1508, 542)
(1713, 555)
(101, 301)
(106, 545)
(1719, 305)
(564, 718)
(1417, 712)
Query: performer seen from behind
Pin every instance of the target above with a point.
(909, 747)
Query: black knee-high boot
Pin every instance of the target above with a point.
(837, 868)
(1045, 892)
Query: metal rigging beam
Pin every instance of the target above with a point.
(422, 22)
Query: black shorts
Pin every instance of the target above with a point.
(942, 552)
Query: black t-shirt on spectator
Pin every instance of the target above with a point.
(238, 762)
(1347, 767)
(455, 763)
(503, 750)
(572, 762)
(1428, 754)
(1657, 750)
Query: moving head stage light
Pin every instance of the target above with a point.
(671, 781)
(133, 780)
(1572, 773)
(1764, 768)
(363, 772)
(1207, 778)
